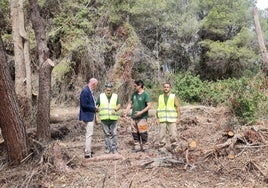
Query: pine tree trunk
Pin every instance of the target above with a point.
(11, 123)
(22, 59)
(261, 41)
(45, 68)
(27, 61)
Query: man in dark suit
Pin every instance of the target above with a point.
(87, 112)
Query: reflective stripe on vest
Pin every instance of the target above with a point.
(106, 107)
(167, 113)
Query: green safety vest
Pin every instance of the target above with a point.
(167, 113)
(106, 107)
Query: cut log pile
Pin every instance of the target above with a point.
(189, 156)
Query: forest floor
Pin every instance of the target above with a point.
(209, 154)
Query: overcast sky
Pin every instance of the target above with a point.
(262, 4)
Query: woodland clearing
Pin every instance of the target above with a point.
(209, 154)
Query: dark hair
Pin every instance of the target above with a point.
(139, 83)
(167, 83)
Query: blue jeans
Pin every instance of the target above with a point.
(109, 128)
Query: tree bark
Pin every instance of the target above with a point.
(261, 41)
(18, 49)
(11, 123)
(23, 86)
(26, 55)
(45, 68)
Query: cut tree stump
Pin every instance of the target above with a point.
(58, 160)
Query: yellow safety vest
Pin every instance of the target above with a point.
(167, 113)
(106, 107)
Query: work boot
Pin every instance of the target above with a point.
(162, 150)
(107, 151)
(145, 147)
(115, 151)
(173, 147)
(88, 155)
(136, 147)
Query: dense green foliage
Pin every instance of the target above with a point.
(212, 38)
(226, 39)
(169, 29)
(189, 88)
(5, 25)
(244, 96)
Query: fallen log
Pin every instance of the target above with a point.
(57, 116)
(105, 158)
(162, 162)
(58, 132)
(228, 144)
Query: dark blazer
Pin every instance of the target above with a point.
(87, 105)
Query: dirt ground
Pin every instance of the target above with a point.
(206, 156)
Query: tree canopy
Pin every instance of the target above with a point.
(213, 39)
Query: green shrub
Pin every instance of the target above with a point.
(243, 96)
(62, 69)
(246, 99)
(220, 91)
(245, 109)
(188, 87)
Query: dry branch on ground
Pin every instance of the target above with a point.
(202, 157)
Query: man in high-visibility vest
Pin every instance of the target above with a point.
(168, 114)
(109, 106)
